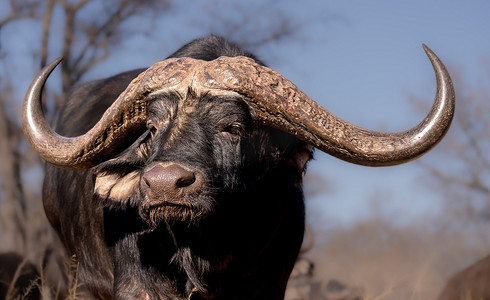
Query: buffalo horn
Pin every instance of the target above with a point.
(275, 101)
(279, 103)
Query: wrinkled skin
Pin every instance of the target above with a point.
(205, 203)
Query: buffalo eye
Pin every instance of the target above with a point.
(153, 130)
(234, 129)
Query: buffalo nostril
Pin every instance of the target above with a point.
(147, 181)
(186, 180)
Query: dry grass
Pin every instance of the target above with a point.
(23, 283)
(74, 285)
(386, 261)
(44, 286)
(410, 262)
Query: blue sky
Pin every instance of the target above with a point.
(372, 60)
(356, 58)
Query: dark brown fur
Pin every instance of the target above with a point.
(235, 236)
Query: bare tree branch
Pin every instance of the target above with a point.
(253, 31)
(15, 202)
(94, 36)
(48, 14)
(463, 169)
(20, 10)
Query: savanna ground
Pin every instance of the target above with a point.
(397, 262)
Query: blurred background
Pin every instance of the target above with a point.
(394, 233)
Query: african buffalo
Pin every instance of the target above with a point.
(184, 180)
(471, 283)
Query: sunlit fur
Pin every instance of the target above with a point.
(237, 237)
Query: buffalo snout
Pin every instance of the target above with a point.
(169, 183)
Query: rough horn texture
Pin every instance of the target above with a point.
(279, 103)
(275, 100)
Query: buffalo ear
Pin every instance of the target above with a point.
(302, 156)
(115, 186)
